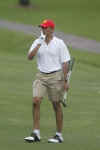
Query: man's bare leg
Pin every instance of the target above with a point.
(59, 116)
(59, 124)
(36, 113)
(35, 135)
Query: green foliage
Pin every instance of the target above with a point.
(24, 2)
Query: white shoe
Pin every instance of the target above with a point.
(56, 139)
(33, 138)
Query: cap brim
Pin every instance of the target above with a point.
(42, 26)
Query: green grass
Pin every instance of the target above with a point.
(81, 119)
(79, 17)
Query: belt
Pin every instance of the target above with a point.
(50, 72)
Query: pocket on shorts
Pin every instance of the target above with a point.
(39, 89)
(38, 75)
(60, 76)
(56, 87)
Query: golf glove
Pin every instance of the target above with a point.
(41, 38)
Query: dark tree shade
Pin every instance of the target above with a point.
(24, 2)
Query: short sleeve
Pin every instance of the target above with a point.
(64, 52)
(34, 44)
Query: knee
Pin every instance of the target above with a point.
(36, 101)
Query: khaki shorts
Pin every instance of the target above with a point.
(51, 84)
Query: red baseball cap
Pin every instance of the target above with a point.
(47, 23)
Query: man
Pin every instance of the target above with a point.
(52, 57)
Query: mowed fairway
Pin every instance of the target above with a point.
(82, 117)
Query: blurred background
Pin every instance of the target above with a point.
(81, 17)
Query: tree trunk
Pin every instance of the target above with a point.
(24, 2)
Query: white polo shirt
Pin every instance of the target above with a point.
(51, 57)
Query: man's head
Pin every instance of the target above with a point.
(47, 27)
